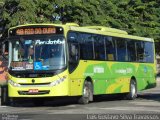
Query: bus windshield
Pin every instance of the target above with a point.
(37, 53)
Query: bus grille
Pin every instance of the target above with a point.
(42, 92)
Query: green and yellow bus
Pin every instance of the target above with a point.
(53, 60)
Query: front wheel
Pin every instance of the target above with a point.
(87, 93)
(133, 90)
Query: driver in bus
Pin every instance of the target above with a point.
(31, 54)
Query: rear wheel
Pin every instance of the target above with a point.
(133, 90)
(87, 93)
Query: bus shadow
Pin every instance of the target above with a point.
(69, 101)
(47, 102)
(149, 96)
(65, 101)
(113, 97)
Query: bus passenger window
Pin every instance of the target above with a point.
(140, 51)
(121, 49)
(72, 37)
(86, 46)
(99, 47)
(110, 48)
(149, 52)
(131, 50)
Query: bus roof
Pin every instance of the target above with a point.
(93, 29)
(109, 32)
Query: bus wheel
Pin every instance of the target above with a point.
(133, 90)
(87, 93)
(4, 95)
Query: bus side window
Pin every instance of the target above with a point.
(149, 52)
(131, 50)
(99, 47)
(121, 49)
(86, 44)
(140, 51)
(110, 48)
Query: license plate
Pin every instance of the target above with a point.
(33, 90)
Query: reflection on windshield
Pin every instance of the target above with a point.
(43, 53)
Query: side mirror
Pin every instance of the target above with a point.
(4, 50)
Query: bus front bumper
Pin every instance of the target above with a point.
(38, 91)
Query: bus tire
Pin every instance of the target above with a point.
(4, 95)
(87, 93)
(133, 90)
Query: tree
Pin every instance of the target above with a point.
(137, 17)
(1, 18)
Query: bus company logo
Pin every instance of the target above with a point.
(98, 69)
(124, 71)
(49, 42)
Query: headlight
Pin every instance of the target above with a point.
(56, 82)
(14, 83)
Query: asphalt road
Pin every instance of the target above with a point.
(146, 105)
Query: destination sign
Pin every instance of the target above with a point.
(32, 31)
(36, 30)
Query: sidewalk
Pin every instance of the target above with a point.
(158, 81)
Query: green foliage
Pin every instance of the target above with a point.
(137, 17)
